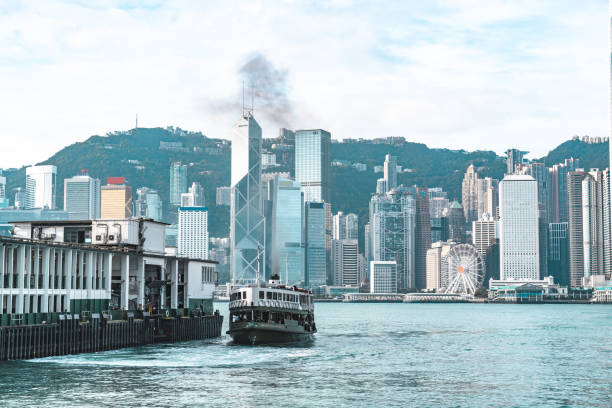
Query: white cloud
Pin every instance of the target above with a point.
(459, 74)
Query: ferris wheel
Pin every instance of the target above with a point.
(466, 270)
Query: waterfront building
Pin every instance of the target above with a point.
(178, 182)
(469, 194)
(247, 223)
(456, 222)
(109, 283)
(390, 172)
(116, 199)
(422, 237)
(193, 232)
(40, 187)
(520, 257)
(484, 233)
(514, 159)
(345, 263)
(558, 252)
(315, 240)
(383, 277)
(82, 197)
(284, 241)
(224, 195)
(313, 164)
(367, 242)
(392, 233)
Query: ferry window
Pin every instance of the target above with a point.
(244, 295)
(269, 295)
(261, 294)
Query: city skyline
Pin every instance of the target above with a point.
(500, 78)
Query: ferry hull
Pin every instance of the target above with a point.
(258, 336)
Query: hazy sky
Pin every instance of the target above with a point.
(473, 74)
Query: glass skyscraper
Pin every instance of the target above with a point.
(247, 224)
(178, 182)
(286, 248)
(312, 163)
(315, 240)
(82, 197)
(392, 231)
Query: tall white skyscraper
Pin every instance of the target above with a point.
(193, 232)
(390, 169)
(41, 186)
(519, 255)
(82, 197)
(247, 224)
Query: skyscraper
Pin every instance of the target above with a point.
(488, 196)
(484, 234)
(575, 226)
(390, 172)
(518, 199)
(392, 232)
(558, 250)
(178, 182)
(422, 237)
(41, 187)
(285, 244)
(469, 194)
(224, 195)
(148, 204)
(315, 240)
(456, 223)
(195, 196)
(345, 226)
(247, 224)
(514, 157)
(312, 164)
(352, 226)
(592, 218)
(345, 269)
(193, 232)
(116, 199)
(82, 197)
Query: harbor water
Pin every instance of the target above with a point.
(466, 355)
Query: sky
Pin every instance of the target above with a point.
(459, 74)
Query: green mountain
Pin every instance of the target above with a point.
(143, 157)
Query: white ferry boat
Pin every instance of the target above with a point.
(271, 313)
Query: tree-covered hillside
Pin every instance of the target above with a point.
(137, 155)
